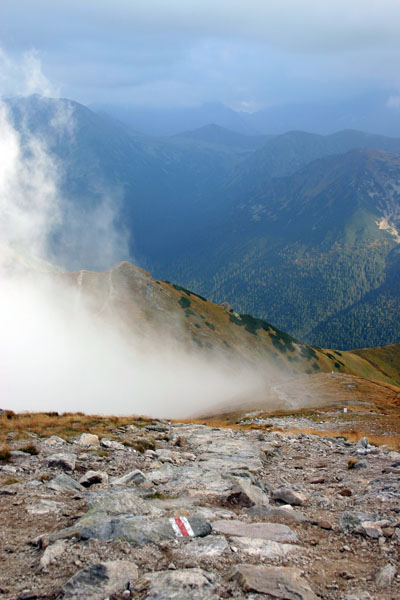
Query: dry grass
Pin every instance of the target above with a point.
(5, 453)
(65, 425)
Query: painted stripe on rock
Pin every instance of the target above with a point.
(181, 527)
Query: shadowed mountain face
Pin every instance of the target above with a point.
(301, 230)
(317, 251)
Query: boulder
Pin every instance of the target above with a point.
(140, 530)
(100, 580)
(284, 583)
(385, 576)
(88, 439)
(289, 496)
(182, 584)
(135, 477)
(245, 494)
(63, 460)
(52, 553)
(63, 483)
(92, 477)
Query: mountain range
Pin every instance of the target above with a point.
(299, 229)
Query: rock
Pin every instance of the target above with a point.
(350, 522)
(135, 477)
(370, 529)
(263, 548)
(324, 524)
(112, 444)
(210, 546)
(275, 514)
(385, 576)
(92, 477)
(54, 440)
(363, 443)
(52, 552)
(140, 530)
(121, 501)
(44, 506)
(100, 580)
(63, 460)
(245, 494)
(63, 483)
(285, 583)
(88, 439)
(359, 595)
(289, 496)
(361, 464)
(183, 584)
(266, 531)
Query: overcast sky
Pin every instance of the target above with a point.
(245, 53)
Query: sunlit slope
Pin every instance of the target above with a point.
(171, 314)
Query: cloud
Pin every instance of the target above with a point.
(63, 346)
(259, 51)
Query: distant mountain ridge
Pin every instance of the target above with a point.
(301, 231)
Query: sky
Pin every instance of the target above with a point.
(247, 54)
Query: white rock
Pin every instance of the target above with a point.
(52, 553)
(88, 439)
(92, 477)
(385, 576)
(135, 476)
(64, 460)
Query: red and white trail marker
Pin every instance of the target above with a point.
(181, 526)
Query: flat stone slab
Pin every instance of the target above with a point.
(263, 548)
(63, 460)
(275, 532)
(100, 580)
(121, 501)
(284, 583)
(212, 545)
(63, 483)
(183, 584)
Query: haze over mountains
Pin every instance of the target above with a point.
(299, 229)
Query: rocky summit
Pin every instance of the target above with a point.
(199, 512)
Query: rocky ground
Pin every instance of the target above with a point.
(179, 511)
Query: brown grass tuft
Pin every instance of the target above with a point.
(5, 453)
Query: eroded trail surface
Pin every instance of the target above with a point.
(202, 513)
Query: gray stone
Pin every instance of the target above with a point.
(363, 443)
(183, 584)
(92, 477)
(100, 580)
(112, 444)
(358, 595)
(63, 483)
(63, 460)
(52, 552)
(284, 583)
(263, 548)
(385, 576)
(138, 530)
(370, 529)
(54, 440)
(44, 506)
(266, 531)
(289, 496)
(245, 494)
(350, 522)
(121, 501)
(212, 545)
(361, 464)
(88, 439)
(134, 477)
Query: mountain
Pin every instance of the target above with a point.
(155, 185)
(171, 121)
(371, 112)
(316, 252)
(221, 136)
(206, 209)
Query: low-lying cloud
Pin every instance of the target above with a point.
(56, 352)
